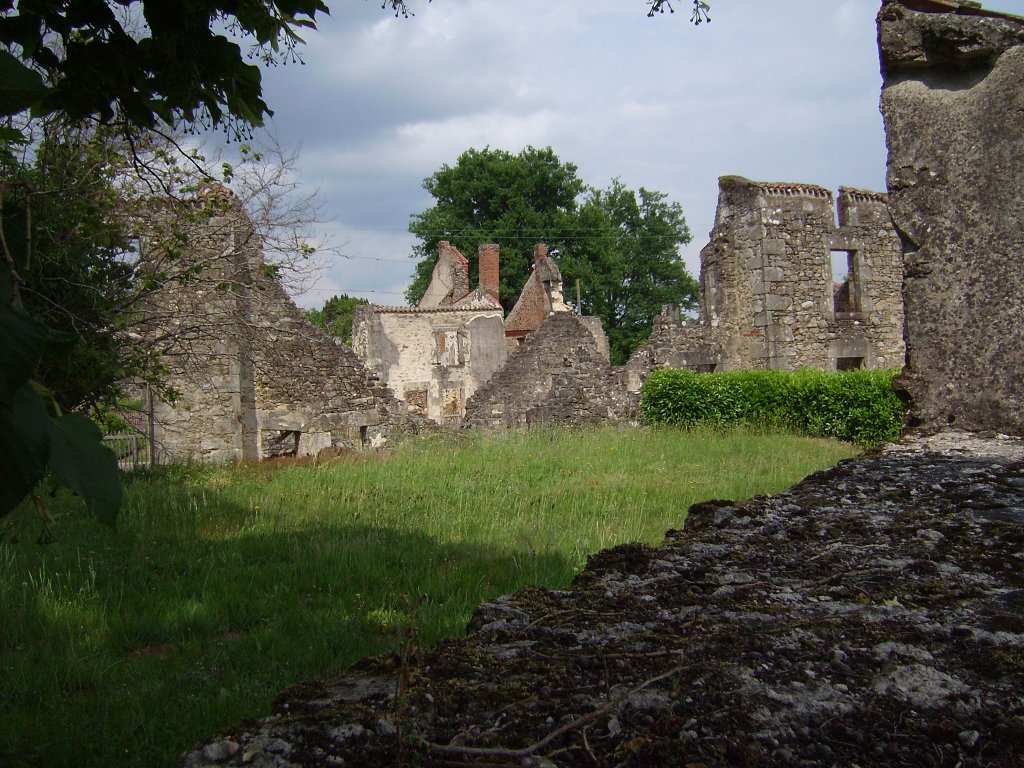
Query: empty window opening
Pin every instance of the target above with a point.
(849, 363)
(416, 401)
(845, 292)
(452, 408)
(447, 348)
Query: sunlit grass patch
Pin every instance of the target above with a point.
(223, 585)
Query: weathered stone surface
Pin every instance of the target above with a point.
(871, 615)
(953, 105)
(252, 373)
(434, 356)
(559, 375)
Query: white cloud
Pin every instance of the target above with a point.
(769, 90)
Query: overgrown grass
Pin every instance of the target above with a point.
(224, 585)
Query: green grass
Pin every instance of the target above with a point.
(224, 585)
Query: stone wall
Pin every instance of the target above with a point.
(433, 359)
(312, 392)
(674, 343)
(560, 374)
(953, 106)
(767, 295)
(435, 355)
(254, 377)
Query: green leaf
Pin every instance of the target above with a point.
(20, 87)
(12, 136)
(80, 461)
(21, 339)
(24, 444)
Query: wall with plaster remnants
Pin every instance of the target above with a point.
(434, 356)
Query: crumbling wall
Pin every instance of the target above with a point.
(309, 386)
(435, 355)
(558, 375)
(674, 344)
(254, 377)
(432, 359)
(449, 280)
(767, 296)
(953, 107)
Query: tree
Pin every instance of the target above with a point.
(335, 317)
(493, 196)
(628, 265)
(621, 245)
(92, 61)
(76, 278)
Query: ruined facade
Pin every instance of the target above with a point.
(434, 356)
(254, 378)
(541, 295)
(953, 107)
(560, 374)
(768, 298)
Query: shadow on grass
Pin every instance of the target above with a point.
(123, 649)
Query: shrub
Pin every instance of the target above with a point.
(856, 406)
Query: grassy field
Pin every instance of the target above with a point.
(223, 585)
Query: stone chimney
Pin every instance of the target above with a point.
(487, 255)
(540, 252)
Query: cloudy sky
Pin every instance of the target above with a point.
(782, 90)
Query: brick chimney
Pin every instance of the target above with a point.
(488, 258)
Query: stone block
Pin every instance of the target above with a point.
(312, 443)
(777, 303)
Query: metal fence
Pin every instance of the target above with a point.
(131, 448)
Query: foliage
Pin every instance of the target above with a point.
(494, 196)
(227, 584)
(35, 436)
(74, 263)
(629, 262)
(147, 62)
(858, 406)
(622, 245)
(335, 317)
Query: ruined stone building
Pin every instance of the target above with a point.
(541, 295)
(254, 378)
(455, 358)
(435, 355)
(767, 294)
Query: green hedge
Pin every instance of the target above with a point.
(858, 406)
